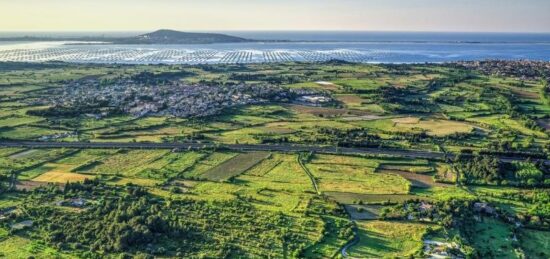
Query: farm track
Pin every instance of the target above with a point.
(309, 174)
(416, 154)
(354, 241)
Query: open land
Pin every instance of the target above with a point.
(282, 160)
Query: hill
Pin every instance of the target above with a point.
(178, 37)
(156, 37)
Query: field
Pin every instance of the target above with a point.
(207, 163)
(432, 144)
(61, 177)
(356, 175)
(494, 239)
(535, 243)
(388, 239)
(127, 163)
(234, 166)
(355, 198)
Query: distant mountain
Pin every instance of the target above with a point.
(178, 37)
(157, 37)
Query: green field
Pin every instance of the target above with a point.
(379, 239)
(234, 166)
(211, 201)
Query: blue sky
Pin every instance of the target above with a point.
(384, 15)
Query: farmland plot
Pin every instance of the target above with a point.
(381, 239)
(234, 166)
(356, 175)
(207, 163)
(126, 163)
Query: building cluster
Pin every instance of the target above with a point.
(172, 98)
(524, 69)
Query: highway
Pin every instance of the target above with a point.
(234, 147)
(240, 147)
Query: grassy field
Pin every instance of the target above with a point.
(355, 198)
(355, 175)
(381, 239)
(535, 243)
(21, 247)
(127, 163)
(494, 239)
(207, 163)
(234, 166)
(263, 204)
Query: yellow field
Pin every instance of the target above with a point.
(350, 99)
(57, 176)
(432, 127)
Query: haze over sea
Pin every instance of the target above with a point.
(368, 47)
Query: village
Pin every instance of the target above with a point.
(524, 69)
(177, 99)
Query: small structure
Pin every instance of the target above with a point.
(74, 202)
(424, 207)
(6, 212)
(483, 207)
(22, 225)
(315, 100)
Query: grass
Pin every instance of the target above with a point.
(126, 163)
(352, 174)
(504, 122)
(135, 181)
(443, 193)
(10, 151)
(277, 183)
(67, 164)
(382, 239)
(438, 128)
(22, 247)
(234, 166)
(363, 212)
(535, 243)
(207, 163)
(266, 165)
(493, 238)
(416, 179)
(285, 187)
(355, 198)
(10, 199)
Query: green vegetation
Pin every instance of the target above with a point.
(388, 239)
(484, 196)
(234, 166)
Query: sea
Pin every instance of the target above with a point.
(288, 46)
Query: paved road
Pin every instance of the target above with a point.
(238, 147)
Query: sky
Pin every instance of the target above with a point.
(330, 15)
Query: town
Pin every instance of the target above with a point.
(176, 99)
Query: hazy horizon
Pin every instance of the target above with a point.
(498, 16)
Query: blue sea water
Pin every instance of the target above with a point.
(366, 47)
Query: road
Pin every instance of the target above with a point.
(239, 147)
(235, 147)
